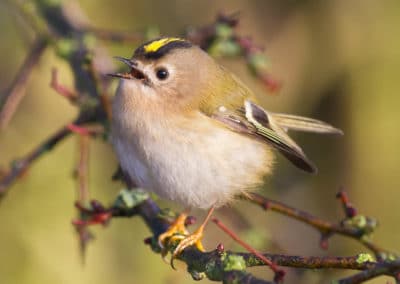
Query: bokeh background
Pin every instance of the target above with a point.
(339, 61)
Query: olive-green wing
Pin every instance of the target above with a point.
(267, 127)
(257, 123)
(234, 105)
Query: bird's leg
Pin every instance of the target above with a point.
(193, 239)
(176, 230)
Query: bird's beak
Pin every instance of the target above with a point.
(135, 72)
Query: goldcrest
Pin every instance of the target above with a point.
(187, 129)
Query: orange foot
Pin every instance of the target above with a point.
(193, 239)
(177, 230)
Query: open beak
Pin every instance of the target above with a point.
(135, 72)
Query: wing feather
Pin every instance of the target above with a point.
(300, 123)
(277, 137)
(235, 106)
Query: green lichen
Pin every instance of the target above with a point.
(364, 257)
(167, 213)
(364, 223)
(131, 198)
(224, 31)
(90, 41)
(65, 48)
(233, 262)
(224, 47)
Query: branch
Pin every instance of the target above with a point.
(16, 91)
(327, 229)
(391, 268)
(221, 39)
(216, 264)
(19, 166)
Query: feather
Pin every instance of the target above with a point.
(276, 136)
(235, 107)
(305, 124)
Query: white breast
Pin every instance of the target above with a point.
(196, 164)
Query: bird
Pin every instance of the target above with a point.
(187, 129)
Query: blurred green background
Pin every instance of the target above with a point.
(339, 61)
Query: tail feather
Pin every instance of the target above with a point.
(300, 123)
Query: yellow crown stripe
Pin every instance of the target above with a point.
(157, 44)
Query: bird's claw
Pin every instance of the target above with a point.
(190, 240)
(176, 230)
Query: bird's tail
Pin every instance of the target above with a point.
(305, 124)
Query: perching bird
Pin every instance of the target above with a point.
(187, 129)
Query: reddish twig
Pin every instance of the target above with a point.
(17, 89)
(97, 214)
(91, 130)
(326, 228)
(279, 274)
(72, 96)
(82, 169)
(212, 264)
(348, 208)
(200, 260)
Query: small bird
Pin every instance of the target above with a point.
(187, 129)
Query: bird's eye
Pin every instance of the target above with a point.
(162, 73)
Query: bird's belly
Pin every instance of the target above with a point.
(132, 164)
(193, 166)
(202, 171)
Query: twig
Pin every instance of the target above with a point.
(217, 265)
(326, 228)
(21, 165)
(16, 91)
(214, 264)
(387, 268)
(279, 274)
(82, 169)
(72, 96)
(83, 189)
